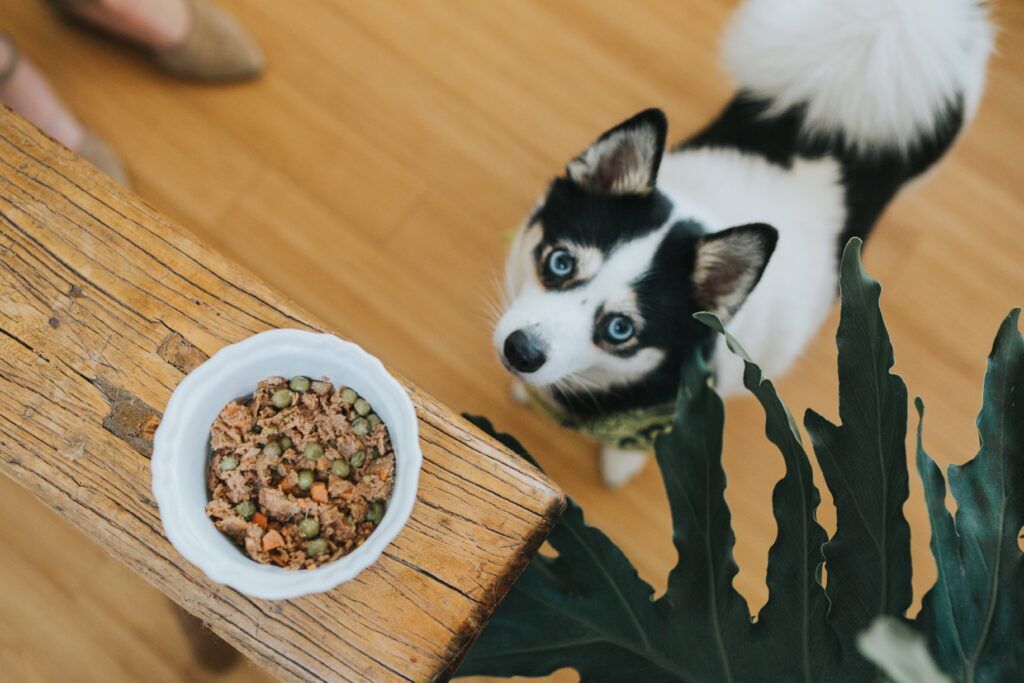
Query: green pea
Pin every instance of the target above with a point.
(282, 398)
(349, 396)
(316, 547)
(269, 431)
(313, 451)
(350, 519)
(376, 512)
(341, 468)
(362, 406)
(285, 442)
(374, 420)
(228, 463)
(273, 449)
(246, 509)
(358, 458)
(360, 427)
(299, 384)
(305, 479)
(309, 527)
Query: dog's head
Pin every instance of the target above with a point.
(605, 275)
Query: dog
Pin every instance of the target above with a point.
(840, 103)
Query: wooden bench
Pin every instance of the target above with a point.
(104, 306)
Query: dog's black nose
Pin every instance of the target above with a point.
(523, 352)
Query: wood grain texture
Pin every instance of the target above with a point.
(105, 306)
(387, 149)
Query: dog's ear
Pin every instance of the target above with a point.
(625, 160)
(729, 264)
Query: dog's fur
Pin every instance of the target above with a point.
(840, 103)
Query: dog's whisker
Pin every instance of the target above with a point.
(491, 306)
(579, 386)
(499, 289)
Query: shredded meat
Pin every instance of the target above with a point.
(278, 505)
(234, 526)
(376, 482)
(234, 421)
(238, 486)
(268, 479)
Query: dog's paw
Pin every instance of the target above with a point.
(519, 393)
(619, 467)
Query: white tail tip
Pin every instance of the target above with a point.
(883, 73)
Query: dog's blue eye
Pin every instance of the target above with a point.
(620, 329)
(561, 264)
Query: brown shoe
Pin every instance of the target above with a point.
(215, 49)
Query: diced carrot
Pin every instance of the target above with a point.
(318, 492)
(260, 520)
(272, 539)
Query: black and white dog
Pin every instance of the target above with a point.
(839, 104)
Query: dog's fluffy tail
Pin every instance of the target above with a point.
(880, 75)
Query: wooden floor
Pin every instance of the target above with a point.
(371, 176)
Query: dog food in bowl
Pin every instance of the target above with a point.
(301, 473)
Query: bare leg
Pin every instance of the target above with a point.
(619, 467)
(27, 92)
(157, 24)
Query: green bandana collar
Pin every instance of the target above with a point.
(633, 429)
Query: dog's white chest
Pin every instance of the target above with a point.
(806, 204)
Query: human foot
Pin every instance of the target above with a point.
(189, 38)
(155, 24)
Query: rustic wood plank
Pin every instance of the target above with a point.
(104, 305)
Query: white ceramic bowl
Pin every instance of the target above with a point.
(181, 455)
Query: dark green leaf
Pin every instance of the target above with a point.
(586, 609)
(796, 611)
(864, 464)
(700, 598)
(589, 610)
(975, 612)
